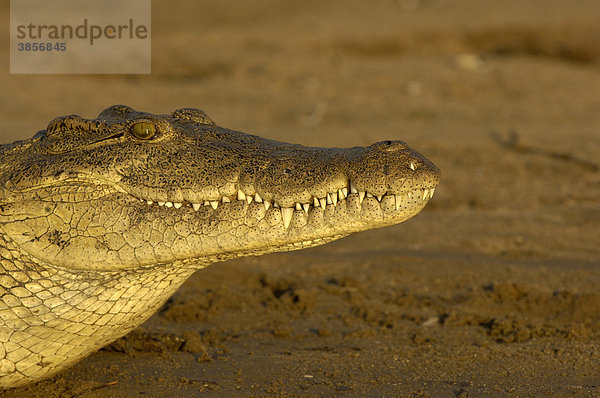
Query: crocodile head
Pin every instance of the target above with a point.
(101, 220)
(131, 189)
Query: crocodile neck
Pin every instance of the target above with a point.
(53, 317)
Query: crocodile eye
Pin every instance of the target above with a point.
(143, 130)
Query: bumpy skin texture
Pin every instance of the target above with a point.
(102, 220)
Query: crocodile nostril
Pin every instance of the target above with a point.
(389, 146)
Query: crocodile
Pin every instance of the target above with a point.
(101, 220)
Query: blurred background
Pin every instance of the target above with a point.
(495, 281)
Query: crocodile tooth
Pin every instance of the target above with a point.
(206, 203)
(267, 204)
(361, 196)
(214, 204)
(241, 195)
(410, 195)
(412, 166)
(431, 191)
(353, 188)
(286, 214)
(369, 195)
(345, 192)
(161, 203)
(225, 200)
(340, 195)
(149, 202)
(398, 200)
(249, 199)
(196, 206)
(169, 204)
(275, 204)
(379, 198)
(257, 198)
(177, 205)
(315, 202)
(334, 198)
(323, 202)
(306, 207)
(425, 193)
(298, 206)
(329, 201)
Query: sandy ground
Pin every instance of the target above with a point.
(491, 291)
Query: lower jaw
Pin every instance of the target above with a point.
(239, 228)
(357, 214)
(317, 226)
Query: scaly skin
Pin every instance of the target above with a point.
(102, 220)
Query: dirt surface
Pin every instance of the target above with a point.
(491, 291)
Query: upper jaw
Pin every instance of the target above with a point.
(300, 178)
